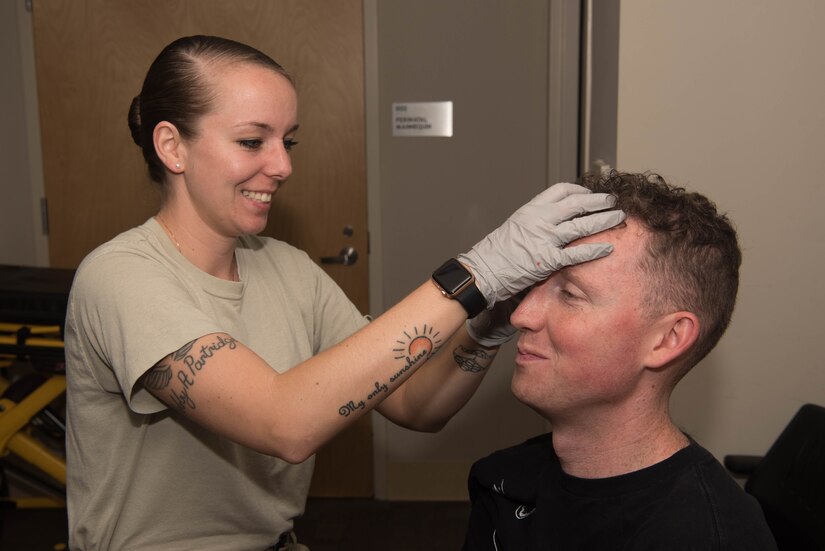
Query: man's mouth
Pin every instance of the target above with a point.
(528, 353)
(257, 196)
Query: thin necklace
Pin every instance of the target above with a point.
(234, 268)
(171, 234)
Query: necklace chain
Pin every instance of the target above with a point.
(234, 269)
(170, 232)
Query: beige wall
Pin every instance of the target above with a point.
(727, 98)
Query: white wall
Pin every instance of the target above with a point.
(726, 98)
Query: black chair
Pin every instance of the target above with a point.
(789, 481)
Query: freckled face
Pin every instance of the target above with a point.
(583, 330)
(240, 155)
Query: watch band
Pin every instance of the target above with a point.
(456, 282)
(472, 300)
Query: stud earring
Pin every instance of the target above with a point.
(177, 165)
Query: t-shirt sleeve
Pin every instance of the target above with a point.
(130, 311)
(336, 317)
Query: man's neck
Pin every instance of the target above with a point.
(601, 446)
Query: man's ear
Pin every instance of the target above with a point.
(673, 335)
(169, 146)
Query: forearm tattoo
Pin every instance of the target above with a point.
(474, 361)
(412, 350)
(179, 375)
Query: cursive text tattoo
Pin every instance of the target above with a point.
(415, 348)
(187, 362)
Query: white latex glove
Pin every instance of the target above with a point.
(529, 246)
(492, 327)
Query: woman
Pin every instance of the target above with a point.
(203, 370)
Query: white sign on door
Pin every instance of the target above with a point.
(419, 119)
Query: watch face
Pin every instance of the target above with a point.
(451, 276)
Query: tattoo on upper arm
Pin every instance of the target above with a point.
(473, 361)
(183, 351)
(415, 348)
(185, 365)
(159, 376)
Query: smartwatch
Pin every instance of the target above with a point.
(457, 282)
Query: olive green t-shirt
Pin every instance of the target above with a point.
(141, 476)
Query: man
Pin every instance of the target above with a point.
(601, 347)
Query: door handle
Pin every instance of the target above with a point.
(347, 257)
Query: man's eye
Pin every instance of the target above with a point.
(567, 295)
(289, 143)
(250, 144)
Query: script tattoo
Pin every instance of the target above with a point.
(187, 364)
(414, 349)
(473, 361)
(183, 351)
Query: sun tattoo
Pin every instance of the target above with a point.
(420, 345)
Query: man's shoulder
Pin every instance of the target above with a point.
(704, 504)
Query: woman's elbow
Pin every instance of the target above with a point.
(294, 456)
(292, 448)
(423, 425)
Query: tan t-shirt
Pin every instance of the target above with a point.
(139, 475)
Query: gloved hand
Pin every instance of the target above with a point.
(492, 327)
(528, 247)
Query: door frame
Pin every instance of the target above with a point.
(372, 131)
(34, 185)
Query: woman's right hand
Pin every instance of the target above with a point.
(529, 246)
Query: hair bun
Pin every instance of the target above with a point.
(134, 121)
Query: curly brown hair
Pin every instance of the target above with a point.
(693, 254)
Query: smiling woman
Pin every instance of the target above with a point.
(206, 364)
(220, 182)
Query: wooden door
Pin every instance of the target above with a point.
(91, 58)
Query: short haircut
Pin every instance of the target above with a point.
(693, 254)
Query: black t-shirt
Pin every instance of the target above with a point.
(523, 501)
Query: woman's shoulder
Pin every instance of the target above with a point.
(125, 252)
(263, 242)
(271, 251)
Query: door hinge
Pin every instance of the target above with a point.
(44, 215)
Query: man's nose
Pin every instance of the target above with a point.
(528, 314)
